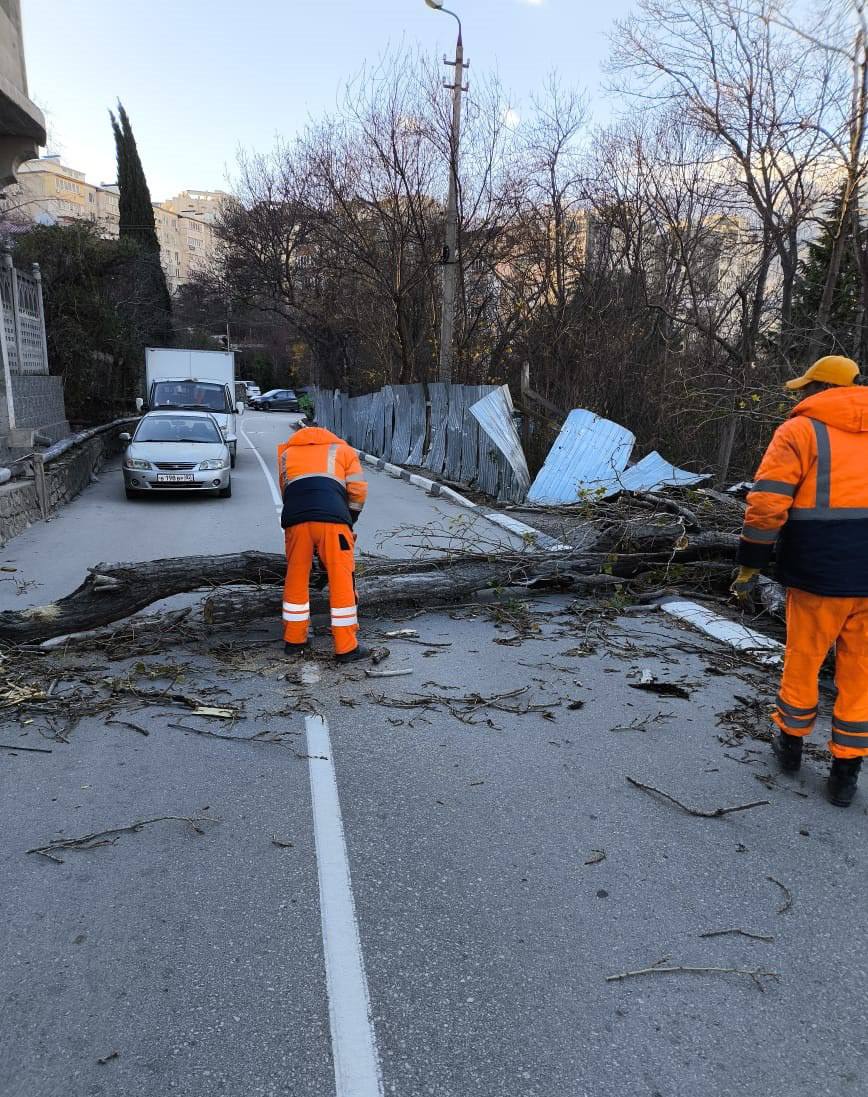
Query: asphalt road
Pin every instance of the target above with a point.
(501, 866)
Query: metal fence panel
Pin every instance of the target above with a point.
(589, 453)
(435, 458)
(454, 432)
(494, 413)
(393, 424)
(388, 420)
(378, 424)
(401, 433)
(469, 436)
(417, 423)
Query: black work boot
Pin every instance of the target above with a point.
(360, 652)
(296, 649)
(842, 780)
(788, 751)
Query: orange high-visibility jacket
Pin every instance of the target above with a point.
(321, 479)
(810, 498)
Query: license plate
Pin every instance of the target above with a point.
(175, 478)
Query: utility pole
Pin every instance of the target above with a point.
(450, 249)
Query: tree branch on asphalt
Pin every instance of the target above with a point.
(788, 895)
(756, 974)
(110, 836)
(701, 813)
(737, 933)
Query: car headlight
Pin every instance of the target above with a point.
(215, 463)
(135, 463)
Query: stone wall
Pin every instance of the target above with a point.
(64, 479)
(38, 402)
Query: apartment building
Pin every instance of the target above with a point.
(50, 192)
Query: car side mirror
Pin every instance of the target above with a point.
(240, 408)
(124, 437)
(140, 403)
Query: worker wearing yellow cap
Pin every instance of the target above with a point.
(809, 505)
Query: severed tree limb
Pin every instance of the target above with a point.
(112, 592)
(110, 836)
(701, 813)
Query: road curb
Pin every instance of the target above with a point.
(435, 490)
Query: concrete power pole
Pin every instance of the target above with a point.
(450, 249)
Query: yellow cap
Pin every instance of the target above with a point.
(834, 369)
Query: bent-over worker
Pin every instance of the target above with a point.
(810, 503)
(323, 491)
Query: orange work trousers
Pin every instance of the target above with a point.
(333, 544)
(814, 625)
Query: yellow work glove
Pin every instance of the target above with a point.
(743, 586)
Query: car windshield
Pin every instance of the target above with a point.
(189, 394)
(178, 428)
(273, 392)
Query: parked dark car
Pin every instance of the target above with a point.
(276, 400)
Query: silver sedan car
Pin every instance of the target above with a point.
(174, 450)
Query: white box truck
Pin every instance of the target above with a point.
(200, 380)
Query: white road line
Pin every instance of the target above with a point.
(354, 1045)
(275, 494)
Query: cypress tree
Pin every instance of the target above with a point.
(841, 335)
(136, 211)
(137, 224)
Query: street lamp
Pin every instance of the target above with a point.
(450, 250)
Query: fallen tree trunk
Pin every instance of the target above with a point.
(115, 591)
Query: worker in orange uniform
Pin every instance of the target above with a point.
(323, 491)
(810, 504)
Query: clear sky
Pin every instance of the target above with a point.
(201, 78)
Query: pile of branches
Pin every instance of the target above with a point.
(640, 541)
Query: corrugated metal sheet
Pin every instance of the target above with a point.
(435, 458)
(494, 413)
(588, 455)
(417, 424)
(388, 421)
(378, 423)
(653, 473)
(403, 425)
(454, 432)
(469, 436)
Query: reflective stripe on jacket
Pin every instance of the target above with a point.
(810, 499)
(321, 479)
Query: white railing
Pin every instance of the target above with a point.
(22, 333)
(23, 347)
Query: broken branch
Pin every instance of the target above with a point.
(702, 813)
(110, 836)
(754, 973)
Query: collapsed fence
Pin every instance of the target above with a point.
(429, 427)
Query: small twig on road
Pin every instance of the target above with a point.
(31, 750)
(256, 739)
(110, 836)
(129, 724)
(788, 895)
(701, 813)
(754, 973)
(108, 1058)
(738, 932)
